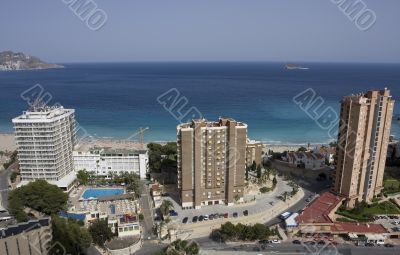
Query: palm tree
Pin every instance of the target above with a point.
(166, 206)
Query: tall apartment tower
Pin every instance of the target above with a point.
(364, 130)
(211, 162)
(45, 138)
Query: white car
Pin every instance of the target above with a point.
(275, 241)
(205, 217)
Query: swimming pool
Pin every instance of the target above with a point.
(98, 193)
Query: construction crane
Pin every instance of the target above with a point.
(140, 134)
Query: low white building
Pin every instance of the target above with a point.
(309, 160)
(106, 161)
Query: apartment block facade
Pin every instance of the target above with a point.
(363, 138)
(45, 137)
(211, 162)
(106, 161)
(32, 237)
(254, 152)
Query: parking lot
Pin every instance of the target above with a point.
(261, 203)
(391, 222)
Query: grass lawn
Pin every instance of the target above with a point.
(391, 184)
(365, 213)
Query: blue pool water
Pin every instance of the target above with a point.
(98, 193)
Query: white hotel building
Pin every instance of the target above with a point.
(106, 161)
(45, 138)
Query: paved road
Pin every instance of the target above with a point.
(288, 248)
(308, 182)
(150, 247)
(4, 175)
(147, 208)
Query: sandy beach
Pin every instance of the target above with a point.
(7, 142)
(288, 147)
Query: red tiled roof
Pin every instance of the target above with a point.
(155, 187)
(352, 227)
(318, 211)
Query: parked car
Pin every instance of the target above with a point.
(173, 213)
(235, 215)
(245, 212)
(211, 217)
(276, 241)
(206, 217)
(389, 245)
(226, 215)
(322, 242)
(296, 242)
(201, 218)
(312, 243)
(185, 220)
(369, 244)
(195, 218)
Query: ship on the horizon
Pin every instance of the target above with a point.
(295, 67)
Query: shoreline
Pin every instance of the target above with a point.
(7, 142)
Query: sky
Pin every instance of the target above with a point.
(202, 30)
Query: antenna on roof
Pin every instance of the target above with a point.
(37, 105)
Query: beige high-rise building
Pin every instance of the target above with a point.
(211, 162)
(363, 138)
(45, 138)
(253, 152)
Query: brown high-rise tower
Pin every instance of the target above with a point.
(211, 162)
(364, 131)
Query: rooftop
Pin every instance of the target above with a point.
(353, 227)
(44, 113)
(24, 227)
(319, 210)
(221, 122)
(108, 151)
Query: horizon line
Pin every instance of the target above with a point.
(219, 61)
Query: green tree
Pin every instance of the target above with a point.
(285, 195)
(141, 217)
(333, 144)
(83, 177)
(259, 172)
(170, 149)
(68, 233)
(13, 177)
(302, 149)
(253, 166)
(192, 249)
(100, 232)
(166, 206)
(38, 195)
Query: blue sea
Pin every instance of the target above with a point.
(115, 99)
